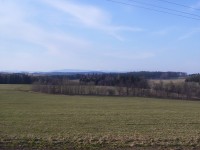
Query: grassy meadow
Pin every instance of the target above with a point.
(42, 121)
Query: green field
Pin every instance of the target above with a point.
(41, 121)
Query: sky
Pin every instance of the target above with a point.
(101, 35)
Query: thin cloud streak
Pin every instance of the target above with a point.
(94, 17)
(196, 6)
(131, 56)
(162, 32)
(190, 34)
(15, 25)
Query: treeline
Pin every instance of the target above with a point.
(112, 84)
(123, 79)
(159, 74)
(182, 90)
(110, 79)
(96, 84)
(120, 85)
(178, 90)
(21, 78)
(69, 87)
(16, 78)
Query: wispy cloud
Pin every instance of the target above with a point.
(131, 56)
(196, 6)
(162, 32)
(91, 16)
(190, 34)
(16, 25)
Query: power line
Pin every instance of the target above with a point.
(166, 1)
(135, 1)
(156, 10)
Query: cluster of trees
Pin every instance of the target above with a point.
(119, 85)
(73, 89)
(193, 78)
(96, 84)
(122, 80)
(179, 90)
(159, 75)
(183, 90)
(21, 78)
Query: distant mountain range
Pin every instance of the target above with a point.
(68, 72)
(73, 70)
(57, 72)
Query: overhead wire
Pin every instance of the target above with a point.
(166, 1)
(148, 8)
(156, 6)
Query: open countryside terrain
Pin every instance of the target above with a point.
(181, 80)
(44, 121)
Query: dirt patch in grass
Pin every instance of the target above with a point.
(94, 143)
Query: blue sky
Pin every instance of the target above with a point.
(44, 35)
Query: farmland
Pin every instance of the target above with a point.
(44, 121)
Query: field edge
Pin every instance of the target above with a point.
(108, 142)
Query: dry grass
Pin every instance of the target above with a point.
(168, 81)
